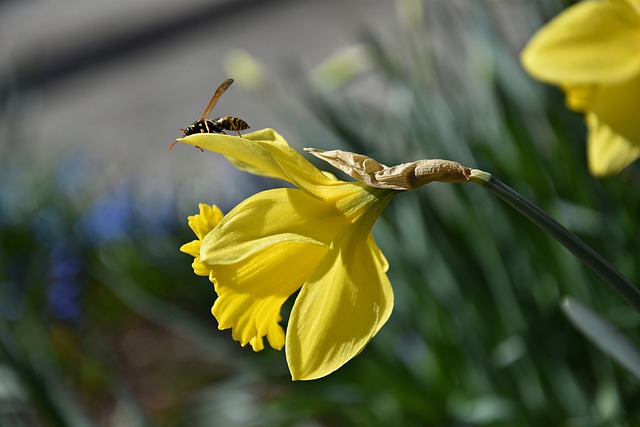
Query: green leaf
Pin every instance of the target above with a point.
(603, 334)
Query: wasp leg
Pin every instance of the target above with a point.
(234, 127)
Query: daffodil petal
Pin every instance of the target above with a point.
(618, 106)
(200, 268)
(192, 248)
(590, 42)
(268, 218)
(375, 250)
(580, 97)
(264, 152)
(206, 220)
(608, 152)
(339, 309)
(251, 293)
(239, 251)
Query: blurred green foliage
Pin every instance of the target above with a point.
(102, 321)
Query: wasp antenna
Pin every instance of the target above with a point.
(172, 145)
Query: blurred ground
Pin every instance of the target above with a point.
(120, 78)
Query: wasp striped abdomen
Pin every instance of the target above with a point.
(230, 123)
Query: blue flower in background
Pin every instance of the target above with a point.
(64, 299)
(65, 262)
(65, 282)
(110, 218)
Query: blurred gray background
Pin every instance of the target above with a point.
(119, 78)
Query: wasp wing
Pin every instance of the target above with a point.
(216, 95)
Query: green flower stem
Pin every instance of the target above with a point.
(569, 240)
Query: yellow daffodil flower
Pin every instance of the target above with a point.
(316, 238)
(591, 51)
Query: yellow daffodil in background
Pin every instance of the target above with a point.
(592, 51)
(316, 238)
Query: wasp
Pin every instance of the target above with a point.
(219, 125)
